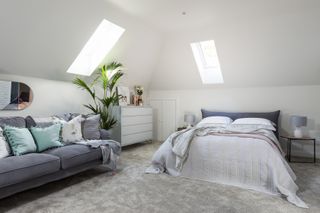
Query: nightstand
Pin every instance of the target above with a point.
(289, 142)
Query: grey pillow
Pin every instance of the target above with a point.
(73, 115)
(30, 122)
(18, 122)
(44, 124)
(67, 116)
(91, 127)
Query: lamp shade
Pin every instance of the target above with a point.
(298, 121)
(189, 118)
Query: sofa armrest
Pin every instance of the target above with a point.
(104, 134)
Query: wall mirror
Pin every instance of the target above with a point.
(14, 95)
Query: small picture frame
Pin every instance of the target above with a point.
(124, 93)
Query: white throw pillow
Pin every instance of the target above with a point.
(215, 120)
(4, 146)
(71, 130)
(261, 123)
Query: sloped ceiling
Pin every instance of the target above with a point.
(41, 38)
(259, 43)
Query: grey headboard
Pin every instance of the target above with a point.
(272, 116)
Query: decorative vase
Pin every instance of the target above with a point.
(135, 100)
(140, 101)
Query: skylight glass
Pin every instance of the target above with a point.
(98, 46)
(206, 57)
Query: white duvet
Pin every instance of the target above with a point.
(250, 163)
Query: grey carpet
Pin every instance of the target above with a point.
(130, 190)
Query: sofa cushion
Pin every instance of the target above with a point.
(67, 116)
(16, 169)
(4, 146)
(47, 138)
(75, 154)
(43, 122)
(30, 122)
(12, 121)
(91, 127)
(71, 130)
(20, 140)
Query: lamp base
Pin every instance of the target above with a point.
(298, 133)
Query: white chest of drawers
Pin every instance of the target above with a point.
(135, 124)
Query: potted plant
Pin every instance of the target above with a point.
(107, 78)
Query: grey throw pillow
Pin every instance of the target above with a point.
(12, 121)
(91, 127)
(30, 122)
(41, 122)
(67, 116)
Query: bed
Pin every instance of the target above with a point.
(245, 155)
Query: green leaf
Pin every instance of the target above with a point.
(81, 84)
(92, 108)
(113, 66)
(115, 78)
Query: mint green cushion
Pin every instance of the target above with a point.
(47, 138)
(20, 140)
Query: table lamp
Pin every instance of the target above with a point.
(297, 122)
(189, 119)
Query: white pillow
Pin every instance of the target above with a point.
(4, 146)
(215, 120)
(261, 123)
(71, 130)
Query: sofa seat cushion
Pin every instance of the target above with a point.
(16, 169)
(75, 154)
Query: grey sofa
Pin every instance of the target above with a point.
(19, 173)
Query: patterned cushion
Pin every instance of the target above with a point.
(4, 146)
(20, 140)
(71, 130)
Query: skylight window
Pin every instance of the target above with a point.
(206, 57)
(98, 46)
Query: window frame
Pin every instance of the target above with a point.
(96, 48)
(210, 74)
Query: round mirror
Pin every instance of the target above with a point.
(14, 95)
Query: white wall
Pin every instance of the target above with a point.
(298, 100)
(49, 97)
